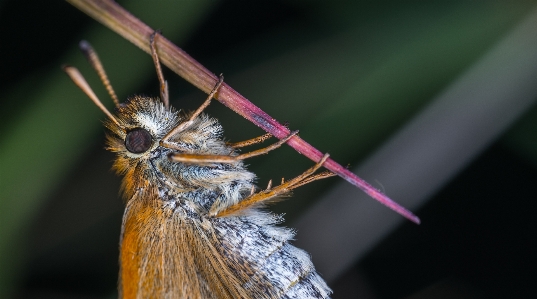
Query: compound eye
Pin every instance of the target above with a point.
(138, 141)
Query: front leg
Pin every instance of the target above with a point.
(249, 142)
(204, 159)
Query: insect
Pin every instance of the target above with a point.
(192, 226)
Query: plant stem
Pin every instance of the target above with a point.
(125, 24)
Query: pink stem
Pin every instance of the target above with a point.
(131, 28)
(248, 110)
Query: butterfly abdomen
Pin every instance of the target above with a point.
(269, 266)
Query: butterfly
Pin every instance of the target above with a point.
(193, 225)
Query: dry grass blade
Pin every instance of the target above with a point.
(125, 24)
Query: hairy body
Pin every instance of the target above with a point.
(171, 246)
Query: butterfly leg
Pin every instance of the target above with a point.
(207, 101)
(201, 159)
(182, 126)
(271, 193)
(252, 141)
(164, 96)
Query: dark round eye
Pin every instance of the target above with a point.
(138, 141)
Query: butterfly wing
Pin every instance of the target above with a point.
(166, 254)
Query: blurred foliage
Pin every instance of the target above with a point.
(347, 74)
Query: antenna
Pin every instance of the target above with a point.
(79, 80)
(95, 62)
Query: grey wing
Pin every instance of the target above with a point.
(262, 259)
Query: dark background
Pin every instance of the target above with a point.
(348, 74)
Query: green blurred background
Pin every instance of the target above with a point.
(348, 74)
